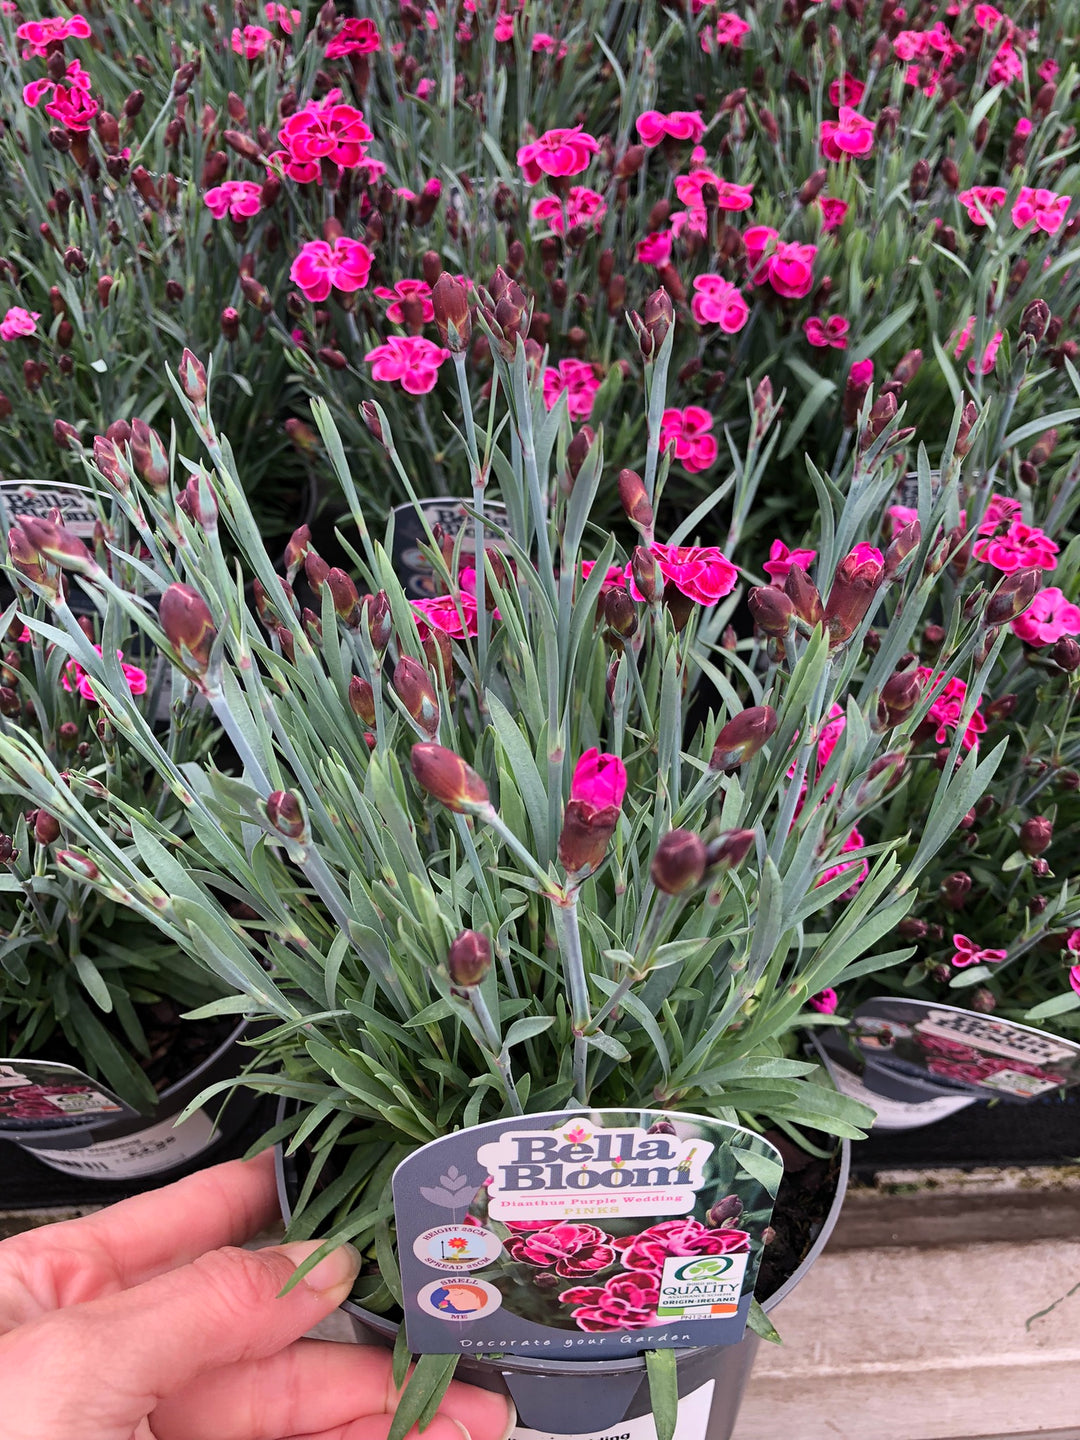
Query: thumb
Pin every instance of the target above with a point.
(117, 1356)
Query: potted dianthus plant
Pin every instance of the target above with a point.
(96, 1063)
(557, 843)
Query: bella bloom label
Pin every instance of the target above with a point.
(38, 1095)
(583, 1233)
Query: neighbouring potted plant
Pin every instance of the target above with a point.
(554, 841)
(83, 981)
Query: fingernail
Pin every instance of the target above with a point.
(335, 1271)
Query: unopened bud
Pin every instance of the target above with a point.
(468, 960)
(414, 688)
(362, 699)
(724, 1212)
(1013, 596)
(450, 300)
(189, 627)
(446, 777)
(899, 696)
(1036, 835)
(378, 619)
(955, 890)
(968, 417)
(1035, 319)
(646, 573)
(919, 182)
(635, 502)
(772, 609)
(742, 737)
(1066, 655)
(346, 596)
(679, 862)
(983, 1000)
(78, 864)
(193, 378)
(286, 812)
(729, 849)
(46, 828)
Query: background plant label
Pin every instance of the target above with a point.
(38, 1095)
(955, 1049)
(159, 1147)
(411, 565)
(22, 498)
(580, 1233)
(846, 1069)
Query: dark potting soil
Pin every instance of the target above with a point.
(803, 1201)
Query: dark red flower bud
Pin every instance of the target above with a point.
(453, 321)
(346, 596)
(955, 890)
(1036, 835)
(1001, 708)
(812, 187)
(46, 828)
(742, 737)
(1043, 448)
(653, 325)
(446, 777)
(912, 929)
(772, 609)
(724, 1213)
(587, 829)
(729, 849)
(968, 417)
(189, 627)
(857, 580)
(77, 863)
(1013, 596)
(803, 594)
(949, 173)
(646, 573)
(919, 182)
(678, 863)
(983, 1000)
(379, 620)
(297, 549)
(620, 613)
(315, 570)
(1034, 320)
(635, 502)
(417, 694)
(193, 378)
(903, 543)
(56, 543)
(468, 960)
(1066, 655)
(899, 696)
(199, 503)
(362, 699)
(287, 814)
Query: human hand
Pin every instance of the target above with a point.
(142, 1322)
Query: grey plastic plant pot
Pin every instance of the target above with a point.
(111, 1150)
(600, 1399)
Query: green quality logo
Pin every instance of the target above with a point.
(708, 1267)
(701, 1287)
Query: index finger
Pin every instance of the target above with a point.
(135, 1240)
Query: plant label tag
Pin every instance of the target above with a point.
(38, 1095)
(411, 565)
(580, 1233)
(949, 1049)
(846, 1070)
(692, 1422)
(22, 499)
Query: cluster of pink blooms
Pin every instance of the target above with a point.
(75, 78)
(781, 560)
(1009, 544)
(282, 16)
(239, 199)
(785, 265)
(320, 267)
(729, 196)
(719, 302)
(581, 206)
(456, 615)
(1049, 617)
(727, 33)
(407, 290)
(579, 380)
(947, 707)
(654, 127)
(1045, 210)
(251, 41)
(688, 430)
(557, 153)
(18, 322)
(410, 360)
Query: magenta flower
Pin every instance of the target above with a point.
(1044, 209)
(846, 91)
(615, 579)
(280, 15)
(322, 131)
(1019, 548)
(356, 37)
(599, 780)
(856, 869)
(1048, 618)
(545, 44)
(688, 430)
(833, 212)
(1000, 512)
(823, 334)
(945, 711)
(861, 373)
(852, 134)
(653, 126)
(557, 152)
(781, 559)
(655, 249)
(1074, 977)
(982, 201)
(573, 1250)
(74, 108)
(240, 199)
(18, 322)
(1007, 66)
(729, 195)
(824, 1002)
(251, 41)
(988, 359)
(407, 290)
(966, 952)
(579, 380)
(729, 31)
(647, 1251)
(40, 34)
(582, 206)
(455, 615)
(320, 267)
(74, 677)
(626, 1302)
(75, 78)
(791, 269)
(719, 302)
(700, 572)
(409, 359)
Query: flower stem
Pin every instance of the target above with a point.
(565, 914)
(500, 1057)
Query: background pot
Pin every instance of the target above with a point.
(553, 1397)
(112, 1150)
